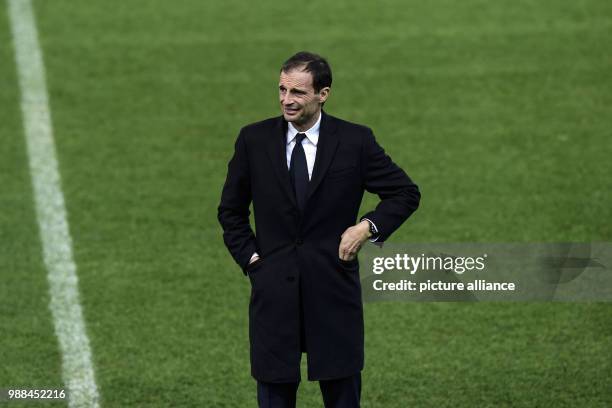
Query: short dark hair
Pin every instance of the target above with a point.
(313, 63)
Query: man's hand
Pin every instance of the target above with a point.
(254, 258)
(352, 240)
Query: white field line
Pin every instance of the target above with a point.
(77, 369)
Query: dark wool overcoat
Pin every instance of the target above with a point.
(303, 297)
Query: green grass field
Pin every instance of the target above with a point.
(500, 111)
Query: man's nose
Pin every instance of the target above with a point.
(286, 99)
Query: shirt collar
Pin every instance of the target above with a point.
(312, 134)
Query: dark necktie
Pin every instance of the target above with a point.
(298, 171)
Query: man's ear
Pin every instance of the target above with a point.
(324, 94)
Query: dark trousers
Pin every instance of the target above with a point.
(338, 393)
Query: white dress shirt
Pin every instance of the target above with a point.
(309, 144)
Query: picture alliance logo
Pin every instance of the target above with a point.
(412, 264)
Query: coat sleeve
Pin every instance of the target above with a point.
(233, 212)
(399, 196)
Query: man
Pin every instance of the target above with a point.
(305, 173)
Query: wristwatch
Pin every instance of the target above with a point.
(373, 230)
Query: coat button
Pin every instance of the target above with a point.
(299, 241)
(290, 278)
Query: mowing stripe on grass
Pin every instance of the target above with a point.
(77, 370)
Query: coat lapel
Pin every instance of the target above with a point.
(326, 148)
(277, 150)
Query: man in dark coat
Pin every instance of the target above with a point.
(305, 173)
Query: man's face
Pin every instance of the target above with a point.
(300, 103)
